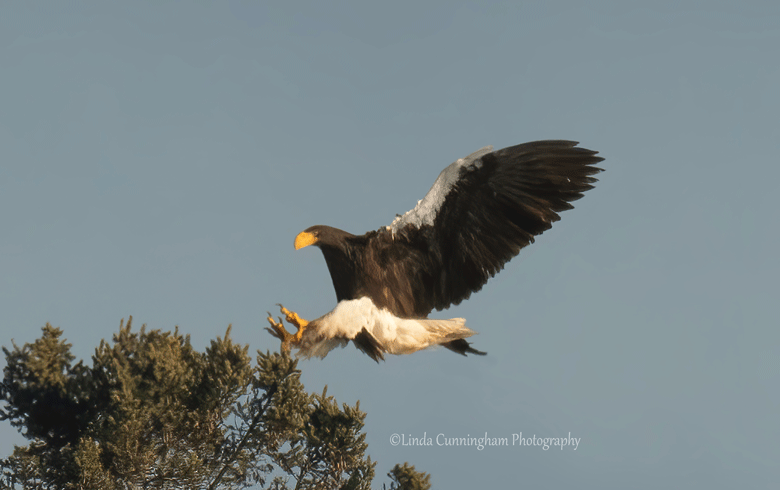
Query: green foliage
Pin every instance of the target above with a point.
(152, 412)
(407, 478)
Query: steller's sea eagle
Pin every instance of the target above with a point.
(479, 213)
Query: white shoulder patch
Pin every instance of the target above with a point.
(426, 210)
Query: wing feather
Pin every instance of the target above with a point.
(481, 212)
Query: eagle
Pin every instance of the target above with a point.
(479, 213)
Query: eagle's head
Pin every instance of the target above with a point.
(321, 235)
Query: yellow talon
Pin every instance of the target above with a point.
(281, 333)
(293, 318)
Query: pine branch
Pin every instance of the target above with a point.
(252, 426)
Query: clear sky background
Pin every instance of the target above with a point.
(158, 161)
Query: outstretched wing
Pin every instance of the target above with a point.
(481, 211)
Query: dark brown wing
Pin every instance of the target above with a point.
(478, 215)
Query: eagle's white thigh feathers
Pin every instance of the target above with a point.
(394, 335)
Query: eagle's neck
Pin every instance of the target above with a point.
(342, 257)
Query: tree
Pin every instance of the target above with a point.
(407, 478)
(153, 413)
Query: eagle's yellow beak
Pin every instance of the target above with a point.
(304, 239)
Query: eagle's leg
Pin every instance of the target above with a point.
(281, 333)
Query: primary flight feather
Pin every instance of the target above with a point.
(479, 213)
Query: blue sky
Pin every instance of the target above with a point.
(157, 160)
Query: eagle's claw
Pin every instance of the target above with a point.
(281, 333)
